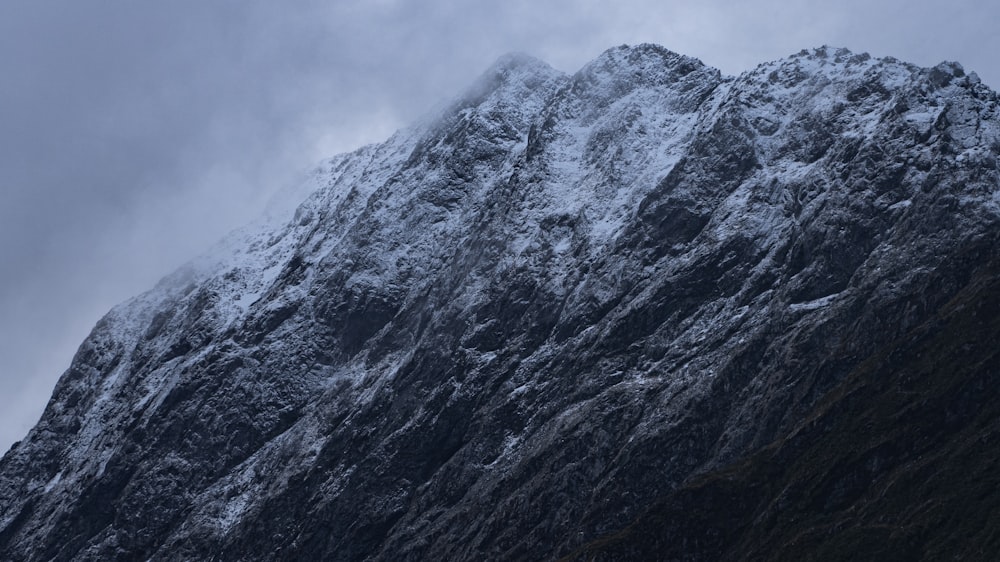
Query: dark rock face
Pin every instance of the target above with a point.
(897, 462)
(644, 310)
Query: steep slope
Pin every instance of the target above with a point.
(509, 330)
(898, 462)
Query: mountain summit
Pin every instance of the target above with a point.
(642, 311)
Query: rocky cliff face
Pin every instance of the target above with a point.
(524, 325)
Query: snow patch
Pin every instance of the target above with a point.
(52, 483)
(233, 511)
(814, 304)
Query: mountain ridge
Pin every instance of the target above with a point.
(506, 331)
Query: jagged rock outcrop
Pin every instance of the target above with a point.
(516, 328)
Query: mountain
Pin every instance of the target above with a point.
(642, 311)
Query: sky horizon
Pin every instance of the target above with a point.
(137, 135)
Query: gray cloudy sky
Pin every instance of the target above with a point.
(135, 133)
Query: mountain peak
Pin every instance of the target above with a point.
(645, 58)
(511, 75)
(518, 61)
(647, 53)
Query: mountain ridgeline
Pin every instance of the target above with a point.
(644, 311)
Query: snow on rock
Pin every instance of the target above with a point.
(504, 330)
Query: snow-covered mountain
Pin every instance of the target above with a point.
(539, 322)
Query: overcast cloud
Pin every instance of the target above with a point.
(134, 134)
